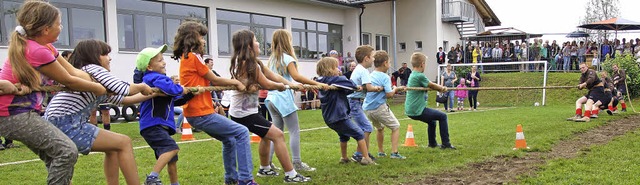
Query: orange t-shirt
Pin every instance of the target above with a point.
(192, 71)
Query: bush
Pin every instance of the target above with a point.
(629, 64)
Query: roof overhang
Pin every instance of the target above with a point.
(351, 3)
(488, 16)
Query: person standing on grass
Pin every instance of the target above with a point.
(156, 115)
(589, 79)
(473, 79)
(188, 47)
(335, 109)
(461, 94)
(376, 108)
(619, 81)
(449, 78)
(415, 105)
(280, 104)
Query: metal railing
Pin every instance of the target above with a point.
(461, 11)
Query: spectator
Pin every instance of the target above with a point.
(352, 65)
(440, 56)
(473, 79)
(215, 95)
(448, 80)
(404, 74)
(452, 55)
(178, 109)
(347, 62)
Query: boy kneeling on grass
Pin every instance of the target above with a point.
(376, 108)
(335, 108)
(156, 114)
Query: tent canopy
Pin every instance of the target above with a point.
(502, 34)
(612, 24)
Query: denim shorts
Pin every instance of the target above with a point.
(346, 129)
(160, 141)
(358, 116)
(75, 126)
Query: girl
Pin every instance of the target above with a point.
(280, 103)
(246, 68)
(461, 94)
(92, 57)
(31, 56)
(188, 47)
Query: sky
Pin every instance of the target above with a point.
(554, 16)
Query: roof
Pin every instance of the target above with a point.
(354, 3)
(488, 16)
(503, 34)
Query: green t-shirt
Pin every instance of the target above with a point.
(415, 103)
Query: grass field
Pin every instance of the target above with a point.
(478, 136)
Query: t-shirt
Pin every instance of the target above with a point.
(192, 72)
(360, 76)
(243, 103)
(283, 100)
(415, 103)
(373, 100)
(37, 56)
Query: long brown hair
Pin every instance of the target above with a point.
(89, 52)
(281, 45)
(33, 16)
(186, 39)
(244, 61)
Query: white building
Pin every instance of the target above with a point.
(318, 26)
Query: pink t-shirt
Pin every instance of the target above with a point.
(37, 55)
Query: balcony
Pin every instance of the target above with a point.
(464, 14)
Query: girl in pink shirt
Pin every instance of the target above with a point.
(461, 94)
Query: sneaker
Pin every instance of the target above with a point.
(301, 166)
(356, 158)
(609, 112)
(251, 182)
(616, 112)
(594, 116)
(230, 182)
(152, 180)
(372, 158)
(382, 154)
(267, 173)
(344, 161)
(583, 119)
(434, 146)
(575, 117)
(368, 161)
(447, 147)
(1, 147)
(624, 110)
(296, 179)
(397, 156)
(273, 166)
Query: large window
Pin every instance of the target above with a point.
(262, 25)
(144, 24)
(313, 40)
(81, 19)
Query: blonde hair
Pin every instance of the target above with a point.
(363, 51)
(417, 59)
(33, 16)
(280, 45)
(327, 66)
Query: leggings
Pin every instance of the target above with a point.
(291, 121)
(473, 99)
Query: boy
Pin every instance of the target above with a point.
(335, 110)
(360, 76)
(415, 107)
(376, 108)
(156, 114)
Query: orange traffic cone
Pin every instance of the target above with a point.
(187, 135)
(255, 138)
(521, 143)
(409, 140)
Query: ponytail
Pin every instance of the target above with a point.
(22, 71)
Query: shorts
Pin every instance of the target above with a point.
(346, 129)
(596, 94)
(622, 89)
(381, 117)
(76, 127)
(255, 123)
(160, 141)
(606, 100)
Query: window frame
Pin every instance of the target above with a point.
(368, 40)
(379, 42)
(264, 50)
(328, 34)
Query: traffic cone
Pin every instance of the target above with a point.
(409, 140)
(187, 135)
(521, 143)
(255, 138)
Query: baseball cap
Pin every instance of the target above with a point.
(145, 56)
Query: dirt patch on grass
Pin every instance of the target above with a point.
(505, 169)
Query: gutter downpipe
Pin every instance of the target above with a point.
(395, 34)
(360, 23)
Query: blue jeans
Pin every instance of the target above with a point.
(566, 60)
(358, 116)
(235, 144)
(430, 116)
(452, 97)
(178, 110)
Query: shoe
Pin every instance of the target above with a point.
(616, 112)
(356, 158)
(624, 110)
(296, 179)
(583, 119)
(609, 112)
(594, 116)
(230, 182)
(447, 147)
(267, 173)
(475, 109)
(344, 161)
(372, 158)
(397, 156)
(1, 147)
(434, 146)
(152, 180)
(251, 182)
(301, 166)
(274, 167)
(367, 161)
(574, 118)
(452, 111)
(382, 154)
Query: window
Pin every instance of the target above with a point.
(144, 24)
(382, 42)
(418, 45)
(312, 40)
(262, 26)
(80, 20)
(366, 39)
(403, 47)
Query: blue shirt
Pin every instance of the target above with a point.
(373, 100)
(360, 77)
(334, 103)
(159, 110)
(282, 100)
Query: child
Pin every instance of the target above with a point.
(156, 115)
(189, 47)
(92, 57)
(461, 94)
(335, 110)
(415, 106)
(248, 69)
(360, 76)
(376, 108)
(177, 109)
(32, 56)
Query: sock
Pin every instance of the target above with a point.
(595, 112)
(176, 183)
(107, 126)
(587, 113)
(579, 111)
(291, 173)
(610, 108)
(268, 167)
(624, 105)
(153, 174)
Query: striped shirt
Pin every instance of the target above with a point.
(69, 103)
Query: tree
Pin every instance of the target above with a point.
(598, 10)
